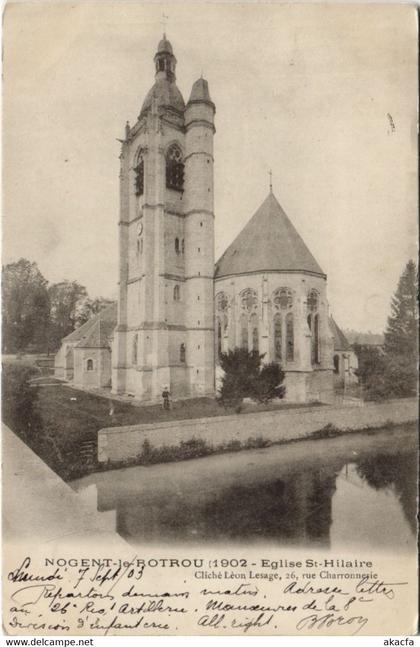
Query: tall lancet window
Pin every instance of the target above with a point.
(219, 338)
(254, 332)
(139, 173)
(174, 168)
(277, 337)
(225, 326)
(290, 340)
(244, 331)
(315, 340)
(134, 353)
(313, 323)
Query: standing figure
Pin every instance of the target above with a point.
(165, 396)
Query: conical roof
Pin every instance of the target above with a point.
(268, 243)
(200, 91)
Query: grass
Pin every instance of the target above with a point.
(62, 423)
(82, 414)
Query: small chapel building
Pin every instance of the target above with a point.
(178, 310)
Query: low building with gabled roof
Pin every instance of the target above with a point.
(84, 357)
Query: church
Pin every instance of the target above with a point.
(177, 309)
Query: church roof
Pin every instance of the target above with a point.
(268, 243)
(164, 45)
(200, 91)
(166, 94)
(98, 335)
(340, 340)
(105, 321)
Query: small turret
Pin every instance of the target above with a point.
(165, 60)
(199, 237)
(164, 90)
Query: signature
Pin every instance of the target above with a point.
(315, 621)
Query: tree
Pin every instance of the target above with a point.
(371, 370)
(87, 307)
(65, 298)
(245, 377)
(391, 371)
(25, 306)
(401, 336)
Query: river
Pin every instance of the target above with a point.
(358, 489)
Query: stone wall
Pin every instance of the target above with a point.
(121, 443)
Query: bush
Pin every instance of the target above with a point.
(268, 385)
(19, 400)
(244, 377)
(257, 443)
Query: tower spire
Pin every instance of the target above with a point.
(270, 173)
(164, 22)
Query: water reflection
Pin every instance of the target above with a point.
(296, 494)
(397, 474)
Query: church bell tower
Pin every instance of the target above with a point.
(165, 329)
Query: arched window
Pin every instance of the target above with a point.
(139, 174)
(177, 294)
(177, 245)
(290, 342)
(182, 353)
(254, 332)
(174, 168)
(134, 355)
(244, 331)
(277, 337)
(89, 365)
(219, 338)
(336, 364)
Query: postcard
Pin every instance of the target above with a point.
(209, 319)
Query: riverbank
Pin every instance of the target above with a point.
(174, 441)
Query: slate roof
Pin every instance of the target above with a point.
(165, 45)
(269, 242)
(98, 329)
(200, 91)
(340, 340)
(167, 95)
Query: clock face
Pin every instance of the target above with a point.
(139, 229)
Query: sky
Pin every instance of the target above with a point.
(324, 95)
